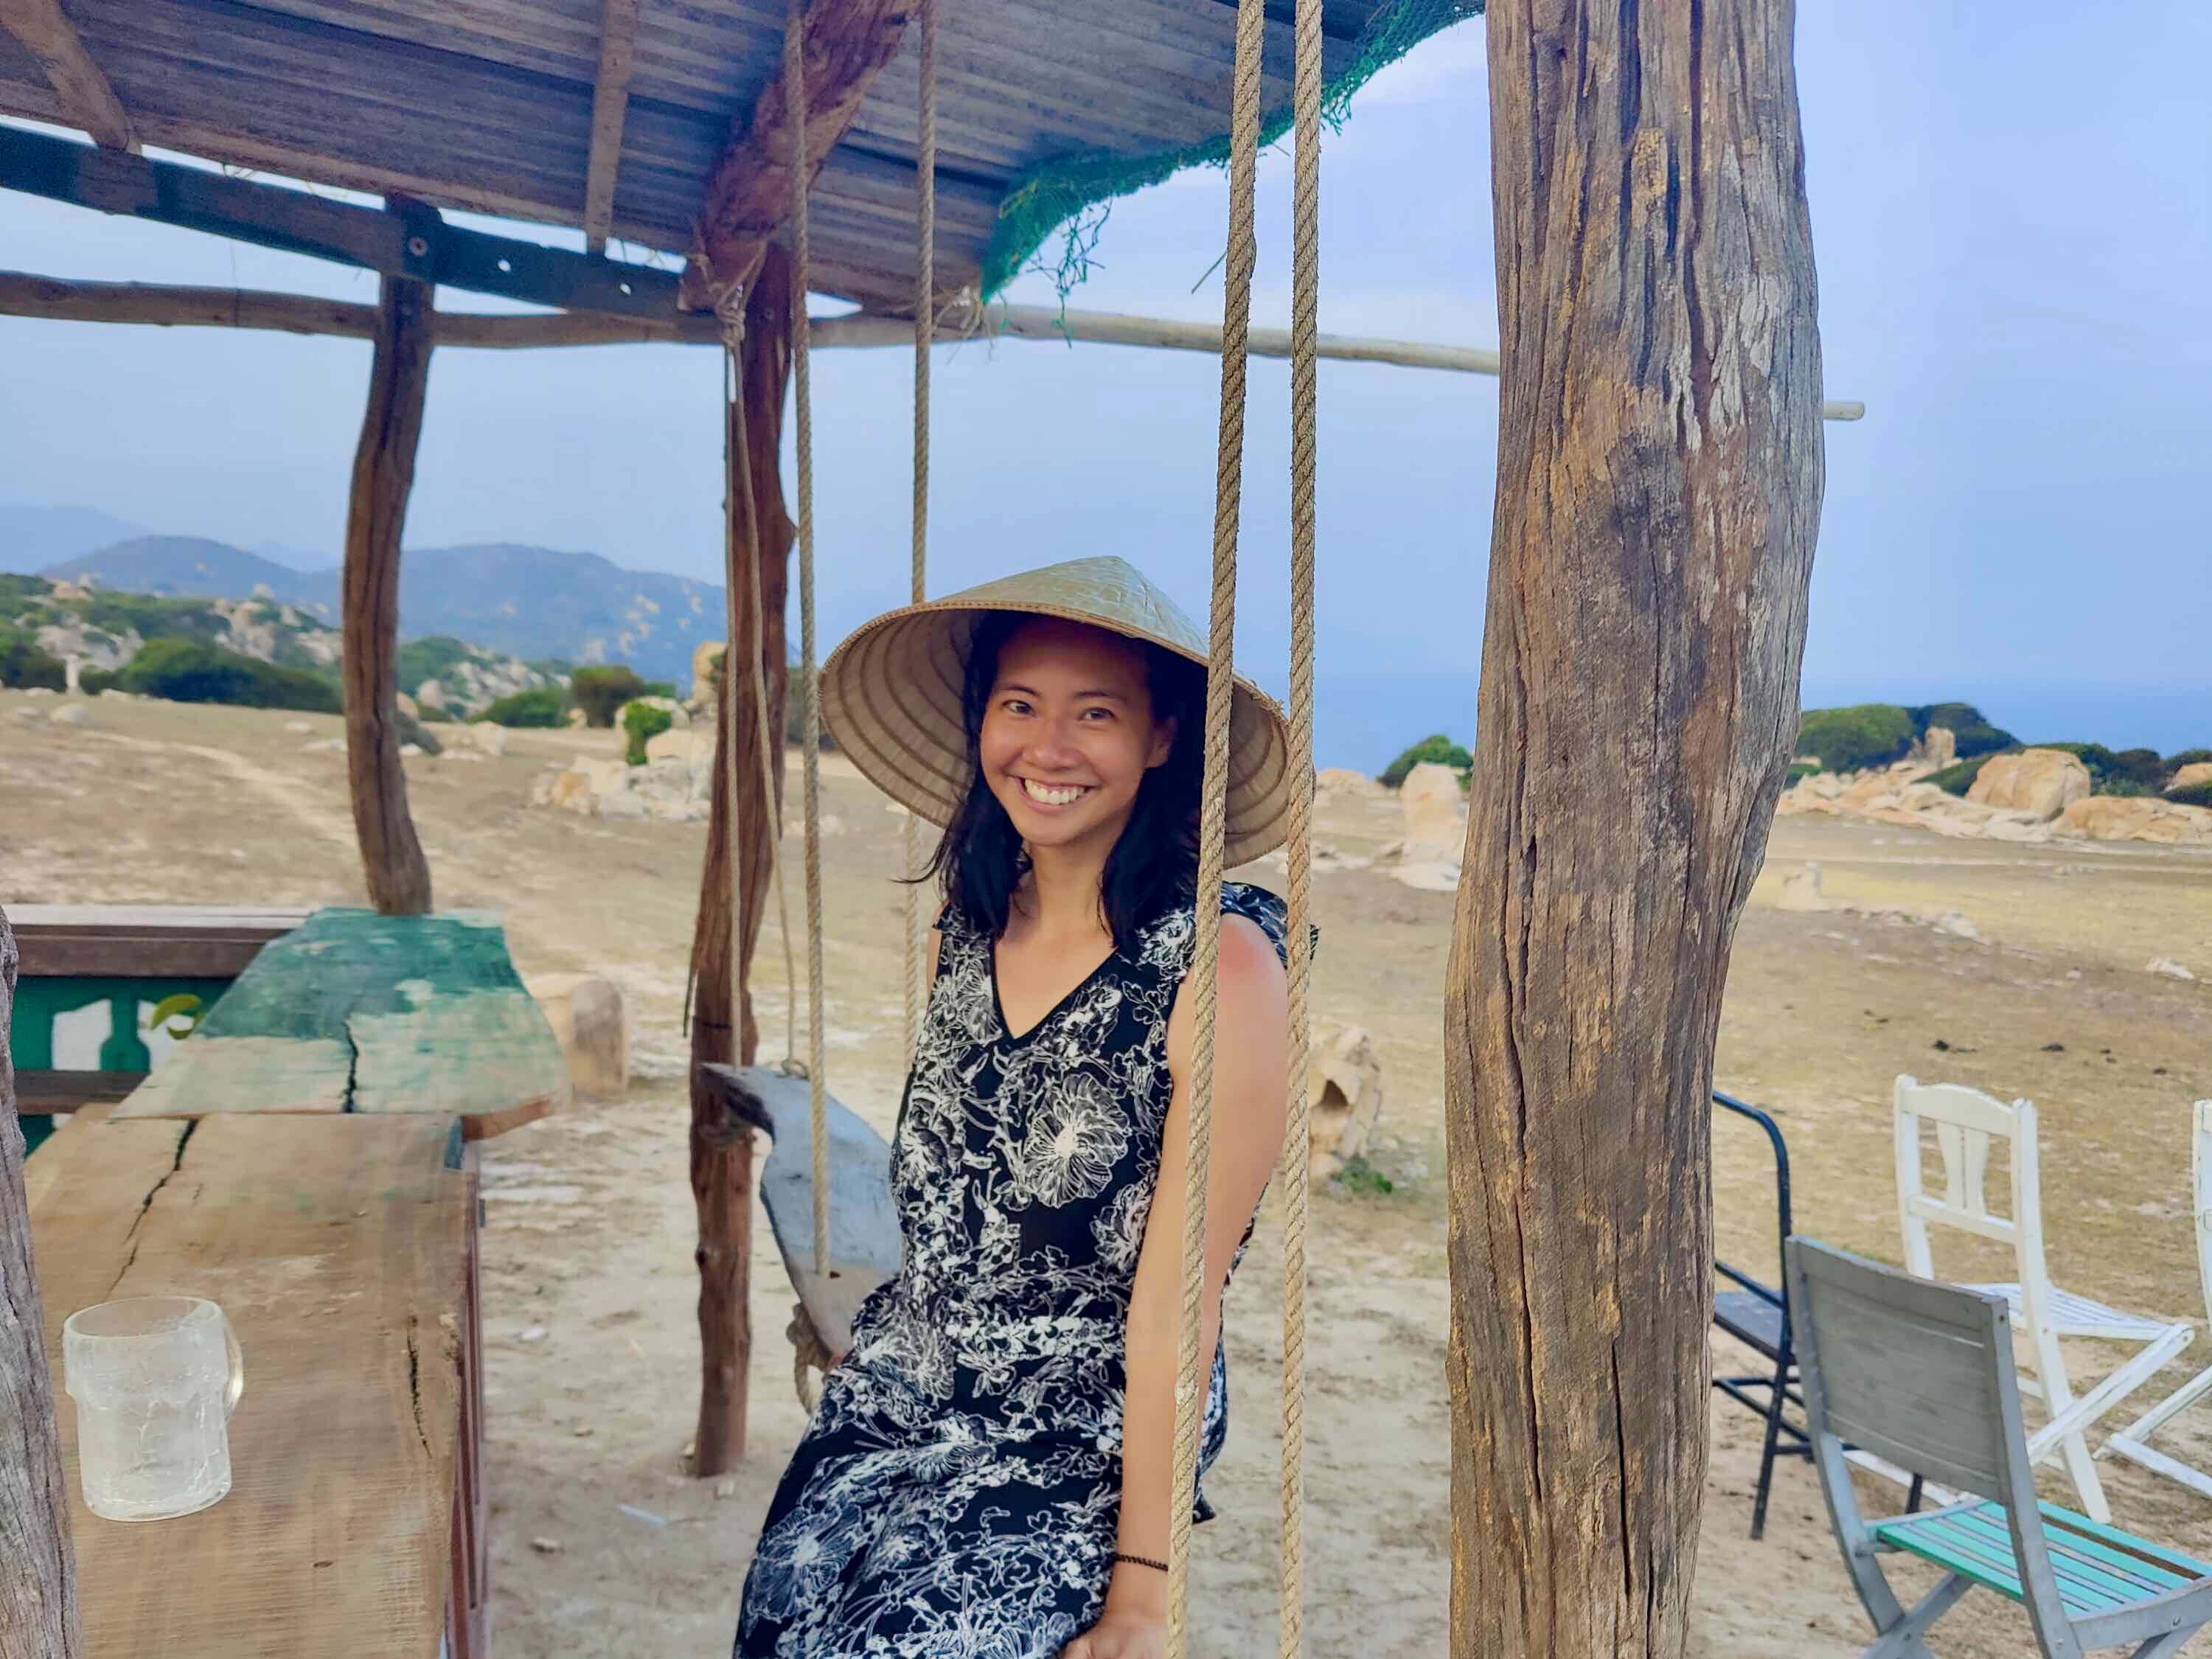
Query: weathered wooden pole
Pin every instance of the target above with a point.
(38, 1565)
(392, 858)
(721, 1147)
(1659, 478)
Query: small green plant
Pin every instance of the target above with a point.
(1957, 779)
(2193, 794)
(1359, 1177)
(644, 721)
(1803, 769)
(600, 690)
(24, 663)
(1437, 749)
(177, 1016)
(544, 707)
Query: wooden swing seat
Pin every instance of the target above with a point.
(864, 1232)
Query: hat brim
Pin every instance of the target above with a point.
(891, 698)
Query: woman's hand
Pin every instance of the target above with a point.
(1122, 1634)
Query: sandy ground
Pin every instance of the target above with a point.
(591, 1226)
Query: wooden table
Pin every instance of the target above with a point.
(343, 1249)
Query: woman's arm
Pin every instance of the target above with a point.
(1251, 1068)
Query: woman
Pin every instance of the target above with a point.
(990, 1473)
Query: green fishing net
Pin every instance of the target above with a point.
(1072, 196)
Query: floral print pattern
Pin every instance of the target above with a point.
(959, 1491)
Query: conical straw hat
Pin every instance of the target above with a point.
(890, 693)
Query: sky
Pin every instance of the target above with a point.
(2013, 226)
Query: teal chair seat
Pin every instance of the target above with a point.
(2099, 1570)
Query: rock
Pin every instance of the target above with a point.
(535, 1333)
(1429, 876)
(1436, 814)
(727, 1486)
(694, 746)
(407, 705)
(1940, 748)
(2167, 968)
(301, 727)
(489, 738)
(410, 751)
(29, 716)
(2016, 826)
(704, 656)
(430, 695)
(2188, 776)
(577, 717)
(324, 746)
(1344, 1095)
(71, 713)
(1341, 780)
(591, 1020)
(552, 1546)
(2041, 781)
(2137, 817)
(1954, 923)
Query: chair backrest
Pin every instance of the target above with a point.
(1966, 1120)
(2201, 1162)
(1920, 1374)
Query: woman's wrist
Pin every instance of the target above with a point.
(1137, 1588)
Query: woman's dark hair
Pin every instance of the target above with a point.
(1154, 863)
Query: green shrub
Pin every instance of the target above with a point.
(2194, 794)
(2126, 772)
(1435, 750)
(1358, 1175)
(1864, 735)
(659, 689)
(2186, 758)
(94, 681)
(1965, 723)
(644, 721)
(24, 663)
(600, 691)
(1957, 779)
(1803, 770)
(186, 671)
(546, 706)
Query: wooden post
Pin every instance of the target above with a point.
(383, 472)
(37, 1565)
(1659, 481)
(721, 1146)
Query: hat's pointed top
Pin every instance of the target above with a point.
(1105, 586)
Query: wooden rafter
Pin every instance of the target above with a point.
(751, 190)
(87, 99)
(610, 105)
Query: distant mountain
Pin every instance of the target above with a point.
(34, 537)
(532, 603)
(536, 604)
(188, 567)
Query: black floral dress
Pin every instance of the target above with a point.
(959, 1491)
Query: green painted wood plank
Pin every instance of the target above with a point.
(2094, 1581)
(1937, 1544)
(2174, 1560)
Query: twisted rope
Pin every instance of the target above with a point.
(924, 326)
(1297, 1146)
(794, 78)
(1229, 480)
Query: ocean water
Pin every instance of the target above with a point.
(1364, 721)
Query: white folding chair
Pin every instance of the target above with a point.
(2130, 1443)
(1965, 1121)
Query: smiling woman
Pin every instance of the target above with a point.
(992, 1465)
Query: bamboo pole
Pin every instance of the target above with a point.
(64, 299)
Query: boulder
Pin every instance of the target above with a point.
(410, 750)
(489, 737)
(1342, 781)
(591, 1023)
(2188, 776)
(2167, 968)
(1436, 814)
(577, 717)
(2137, 817)
(71, 713)
(430, 694)
(407, 705)
(689, 744)
(1344, 1095)
(704, 656)
(1940, 748)
(2043, 782)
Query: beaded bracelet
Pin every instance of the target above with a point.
(1141, 1561)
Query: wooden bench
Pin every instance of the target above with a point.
(343, 1249)
(126, 957)
(864, 1229)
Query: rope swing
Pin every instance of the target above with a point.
(924, 327)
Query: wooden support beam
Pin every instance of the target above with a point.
(1659, 482)
(38, 1617)
(64, 299)
(610, 105)
(750, 192)
(86, 97)
(392, 858)
(721, 1145)
(269, 215)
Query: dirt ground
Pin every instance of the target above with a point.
(602, 1546)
